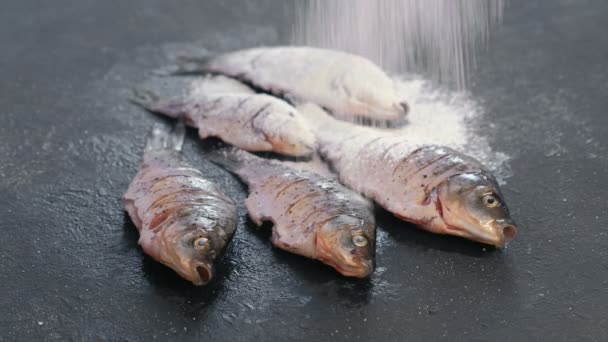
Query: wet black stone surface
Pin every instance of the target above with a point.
(70, 267)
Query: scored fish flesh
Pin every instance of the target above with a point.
(348, 86)
(313, 216)
(254, 122)
(185, 221)
(433, 186)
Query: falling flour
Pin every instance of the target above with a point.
(437, 37)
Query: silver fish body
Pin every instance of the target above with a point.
(313, 216)
(254, 122)
(347, 85)
(436, 187)
(185, 221)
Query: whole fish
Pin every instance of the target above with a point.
(349, 86)
(184, 220)
(433, 186)
(254, 122)
(312, 215)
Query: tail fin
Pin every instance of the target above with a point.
(248, 167)
(172, 107)
(230, 158)
(186, 65)
(144, 98)
(163, 137)
(235, 159)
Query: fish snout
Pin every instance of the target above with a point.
(503, 234)
(367, 267)
(357, 269)
(494, 233)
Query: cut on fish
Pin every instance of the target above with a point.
(436, 187)
(254, 122)
(185, 221)
(350, 87)
(312, 216)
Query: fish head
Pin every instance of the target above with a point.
(347, 244)
(191, 248)
(380, 108)
(472, 206)
(371, 93)
(294, 137)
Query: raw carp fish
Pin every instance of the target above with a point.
(254, 122)
(313, 216)
(185, 221)
(433, 186)
(348, 86)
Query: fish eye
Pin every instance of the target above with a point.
(490, 201)
(200, 243)
(359, 241)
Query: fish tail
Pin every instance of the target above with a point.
(151, 101)
(227, 157)
(164, 137)
(185, 65)
(144, 98)
(236, 160)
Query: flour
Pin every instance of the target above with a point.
(438, 37)
(448, 118)
(217, 84)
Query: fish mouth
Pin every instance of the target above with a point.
(509, 232)
(355, 267)
(202, 274)
(494, 232)
(395, 114)
(498, 236)
(362, 269)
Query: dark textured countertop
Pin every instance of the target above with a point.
(70, 267)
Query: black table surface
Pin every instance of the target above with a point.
(70, 267)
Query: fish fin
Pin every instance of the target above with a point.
(228, 157)
(185, 65)
(252, 208)
(164, 137)
(151, 101)
(144, 98)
